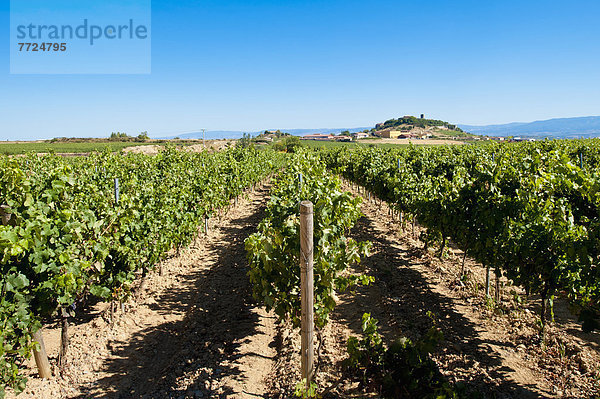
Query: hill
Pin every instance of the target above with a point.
(412, 121)
(567, 128)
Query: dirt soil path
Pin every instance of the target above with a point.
(493, 350)
(410, 282)
(194, 331)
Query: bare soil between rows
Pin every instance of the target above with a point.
(195, 331)
(494, 349)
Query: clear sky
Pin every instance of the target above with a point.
(251, 65)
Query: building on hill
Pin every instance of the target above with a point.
(391, 134)
(394, 134)
(360, 135)
(319, 136)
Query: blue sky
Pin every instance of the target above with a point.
(251, 65)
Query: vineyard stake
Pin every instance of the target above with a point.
(487, 281)
(41, 358)
(112, 314)
(307, 287)
(116, 190)
(64, 340)
(498, 296)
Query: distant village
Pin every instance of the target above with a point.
(410, 128)
(403, 135)
(405, 128)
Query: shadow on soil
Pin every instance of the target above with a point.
(400, 299)
(217, 303)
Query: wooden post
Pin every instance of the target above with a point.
(487, 281)
(112, 314)
(497, 293)
(41, 358)
(64, 340)
(307, 298)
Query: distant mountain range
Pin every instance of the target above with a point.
(566, 128)
(234, 134)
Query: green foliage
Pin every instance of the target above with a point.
(416, 122)
(119, 136)
(68, 238)
(367, 352)
(274, 251)
(18, 323)
(245, 141)
(64, 147)
(301, 391)
(143, 136)
(528, 209)
(403, 370)
(288, 144)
